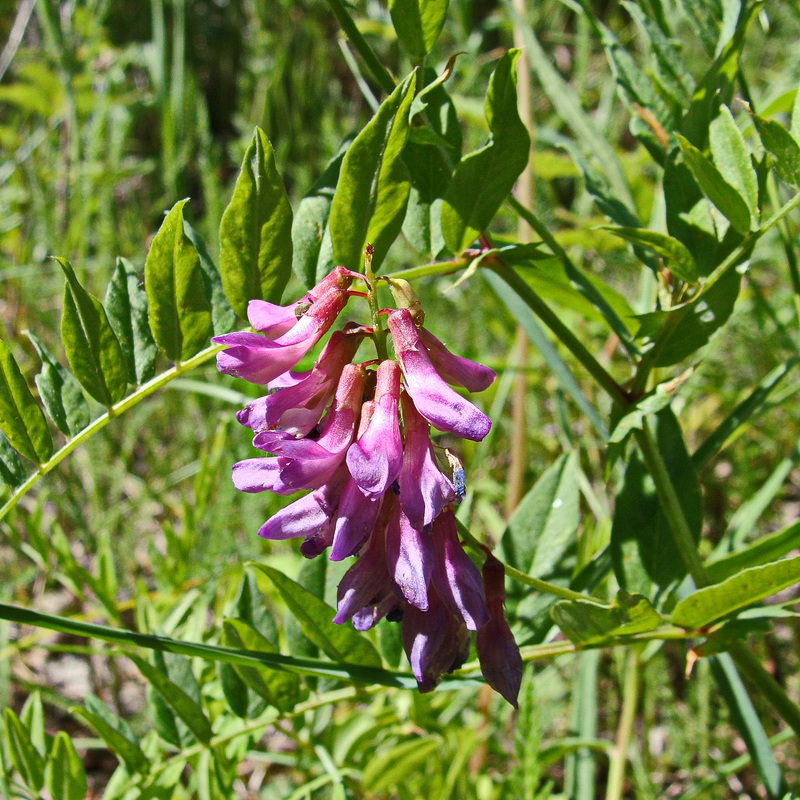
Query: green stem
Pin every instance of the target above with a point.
(753, 670)
(349, 26)
(437, 268)
(379, 334)
(98, 424)
(671, 505)
(519, 576)
(563, 333)
(577, 277)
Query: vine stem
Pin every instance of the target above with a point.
(98, 424)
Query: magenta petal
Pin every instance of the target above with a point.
(443, 407)
(472, 376)
(355, 519)
(259, 475)
(456, 578)
(375, 459)
(410, 556)
(271, 319)
(304, 517)
(424, 489)
(257, 359)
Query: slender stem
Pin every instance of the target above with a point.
(576, 276)
(671, 505)
(379, 335)
(349, 26)
(98, 424)
(521, 577)
(437, 268)
(630, 699)
(563, 333)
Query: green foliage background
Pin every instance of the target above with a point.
(112, 112)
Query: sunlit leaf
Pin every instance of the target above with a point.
(21, 418)
(92, 347)
(126, 305)
(749, 586)
(483, 178)
(373, 187)
(418, 23)
(255, 235)
(66, 777)
(180, 313)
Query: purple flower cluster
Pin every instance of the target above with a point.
(357, 438)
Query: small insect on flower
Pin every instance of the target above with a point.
(459, 485)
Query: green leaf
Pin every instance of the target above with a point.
(430, 155)
(179, 670)
(66, 777)
(21, 418)
(483, 178)
(727, 200)
(678, 258)
(180, 314)
(373, 188)
(642, 544)
(782, 147)
(761, 551)
(651, 403)
(234, 689)
(92, 347)
(705, 605)
(12, 471)
(682, 331)
(188, 709)
(584, 622)
(255, 235)
(418, 23)
(115, 732)
(392, 766)
(126, 305)
(60, 393)
(280, 689)
(223, 318)
(339, 642)
(27, 761)
(545, 522)
(311, 259)
(746, 719)
(731, 156)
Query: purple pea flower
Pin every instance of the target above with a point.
(410, 556)
(501, 663)
(306, 463)
(258, 359)
(296, 408)
(443, 407)
(376, 457)
(457, 580)
(434, 640)
(454, 369)
(424, 489)
(274, 320)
